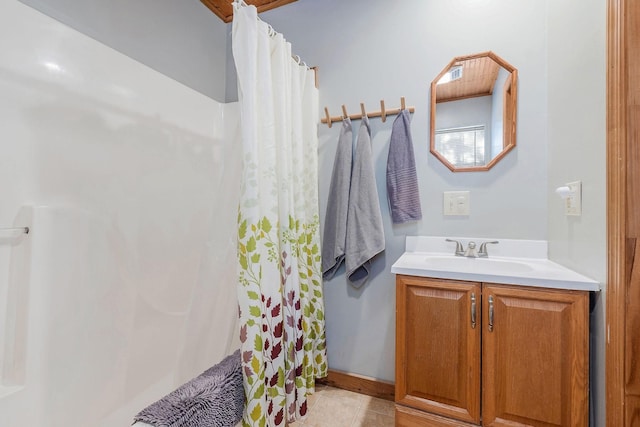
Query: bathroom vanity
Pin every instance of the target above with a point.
(499, 341)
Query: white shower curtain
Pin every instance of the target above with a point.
(280, 286)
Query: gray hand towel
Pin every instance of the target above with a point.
(402, 181)
(365, 233)
(335, 223)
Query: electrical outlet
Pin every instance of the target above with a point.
(456, 203)
(573, 202)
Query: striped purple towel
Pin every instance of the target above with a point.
(402, 181)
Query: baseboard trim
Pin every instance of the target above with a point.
(409, 417)
(360, 384)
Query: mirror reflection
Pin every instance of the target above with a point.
(473, 112)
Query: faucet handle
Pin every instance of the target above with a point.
(459, 250)
(482, 252)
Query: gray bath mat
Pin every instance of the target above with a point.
(214, 398)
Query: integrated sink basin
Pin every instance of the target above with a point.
(513, 262)
(476, 265)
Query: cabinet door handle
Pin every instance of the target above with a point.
(473, 310)
(491, 313)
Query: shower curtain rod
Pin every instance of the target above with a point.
(273, 32)
(24, 230)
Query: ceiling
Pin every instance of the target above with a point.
(224, 8)
(478, 77)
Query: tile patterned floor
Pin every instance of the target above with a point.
(334, 407)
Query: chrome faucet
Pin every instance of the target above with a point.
(471, 251)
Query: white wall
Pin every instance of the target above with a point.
(477, 111)
(467, 112)
(497, 113)
(181, 39)
(367, 51)
(577, 133)
(577, 151)
(124, 288)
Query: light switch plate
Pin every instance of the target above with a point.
(456, 203)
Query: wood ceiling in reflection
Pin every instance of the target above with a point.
(224, 8)
(478, 78)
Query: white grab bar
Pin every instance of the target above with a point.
(24, 230)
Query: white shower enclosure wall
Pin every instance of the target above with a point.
(125, 286)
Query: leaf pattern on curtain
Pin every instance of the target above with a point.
(280, 288)
(283, 336)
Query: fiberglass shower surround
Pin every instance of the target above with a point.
(124, 287)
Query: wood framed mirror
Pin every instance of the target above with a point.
(473, 112)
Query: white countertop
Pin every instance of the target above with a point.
(428, 256)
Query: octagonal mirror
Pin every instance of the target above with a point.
(473, 112)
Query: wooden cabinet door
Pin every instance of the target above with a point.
(535, 354)
(438, 347)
